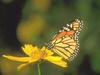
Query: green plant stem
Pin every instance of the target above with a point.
(39, 70)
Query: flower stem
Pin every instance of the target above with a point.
(39, 71)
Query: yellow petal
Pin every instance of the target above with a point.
(32, 60)
(48, 52)
(56, 60)
(22, 66)
(43, 48)
(29, 49)
(25, 64)
(20, 59)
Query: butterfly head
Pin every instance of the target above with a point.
(76, 25)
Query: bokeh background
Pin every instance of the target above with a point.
(37, 21)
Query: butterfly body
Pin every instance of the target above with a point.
(65, 43)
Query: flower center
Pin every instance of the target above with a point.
(43, 54)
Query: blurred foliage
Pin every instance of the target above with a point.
(6, 1)
(27, 32)
(42, 19)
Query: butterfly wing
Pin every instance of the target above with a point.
(65, 47)
(65, 43)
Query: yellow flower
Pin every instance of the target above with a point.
(35, 54)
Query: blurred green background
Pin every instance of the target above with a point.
(37, 21)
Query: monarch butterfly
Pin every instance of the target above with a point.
(65, 42)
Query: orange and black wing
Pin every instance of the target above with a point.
(65, 43)
(65, 47)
